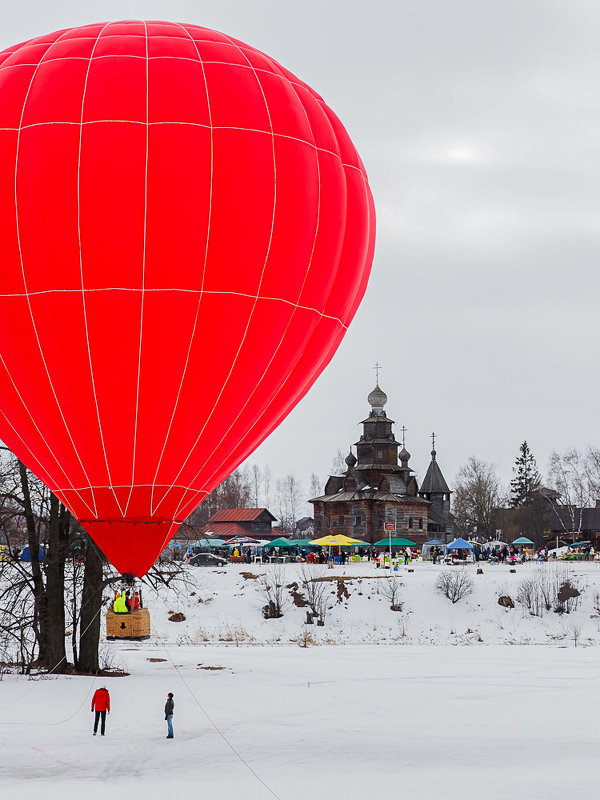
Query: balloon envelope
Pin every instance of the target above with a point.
(186, 231)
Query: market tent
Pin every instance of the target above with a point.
(459, 544)
(397, 541)
(523, 540)
(430, 545)
(336, 541)
(302, 543)
(241, 540)
(210, 543)
(281, 542)
(495, 543)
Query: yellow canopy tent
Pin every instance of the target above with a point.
(336, 541)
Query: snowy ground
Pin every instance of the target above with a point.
(352, 720)
(227, 607)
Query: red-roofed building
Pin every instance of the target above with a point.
(229, 522)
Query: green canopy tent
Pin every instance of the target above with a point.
(209, 543)
(304, 543)
(281, 542)
(396, 541)
(523, 540)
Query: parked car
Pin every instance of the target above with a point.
(207, 560)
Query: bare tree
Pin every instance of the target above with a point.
(575, 476)
(454, 584)
(255, 484)
(390, 589)
(289, 498)
(234, 492)
(271, 586)
(316, 485)
(267, 486)
(477, 498)
(315, 588)
(338, 465)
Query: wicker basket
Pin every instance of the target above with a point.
(135, 625)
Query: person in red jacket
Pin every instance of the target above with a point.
(100, 704)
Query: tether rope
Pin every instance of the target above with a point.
(214, 724)
(44, 675)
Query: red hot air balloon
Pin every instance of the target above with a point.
(186, 231)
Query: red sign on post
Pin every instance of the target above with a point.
(389, 526)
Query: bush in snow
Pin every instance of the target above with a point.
(534, 594)
(390, 589)
(454, 584)
(315, 590)
(567, 598)
(549, 589)
(271, 587)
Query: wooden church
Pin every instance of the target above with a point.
(379, 486)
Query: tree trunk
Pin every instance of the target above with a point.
(55, 588)
(39, 593)
(91, 608)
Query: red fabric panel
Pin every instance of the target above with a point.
(192, 234)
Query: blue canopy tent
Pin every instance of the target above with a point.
(459, 544)
(26, 553)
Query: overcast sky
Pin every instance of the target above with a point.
(479, 125)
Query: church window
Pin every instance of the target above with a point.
(340, 520)
(410, 522)
(380, 454)
(358, 520)
(318, 524)
(421, 524)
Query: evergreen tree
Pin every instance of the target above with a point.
(527, 478)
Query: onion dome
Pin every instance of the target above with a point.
(377, 398)
(404, 456)
(350, 460)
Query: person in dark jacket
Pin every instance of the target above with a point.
(169, 709)
(100, 704)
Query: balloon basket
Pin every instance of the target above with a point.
(134, 625)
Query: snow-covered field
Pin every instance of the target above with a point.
(227, 607)
(380, 713)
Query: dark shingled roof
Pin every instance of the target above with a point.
(434, 481)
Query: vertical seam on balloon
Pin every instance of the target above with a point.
(284, 413)
(321, 314)
(83, 301)
(137, 394)
(201, 294)
(226, 381)
(95, 511)
(292, 315)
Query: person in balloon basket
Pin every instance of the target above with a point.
(119, 606)
(169, 709)
(101, 705)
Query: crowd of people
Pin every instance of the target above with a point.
(497, 553)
